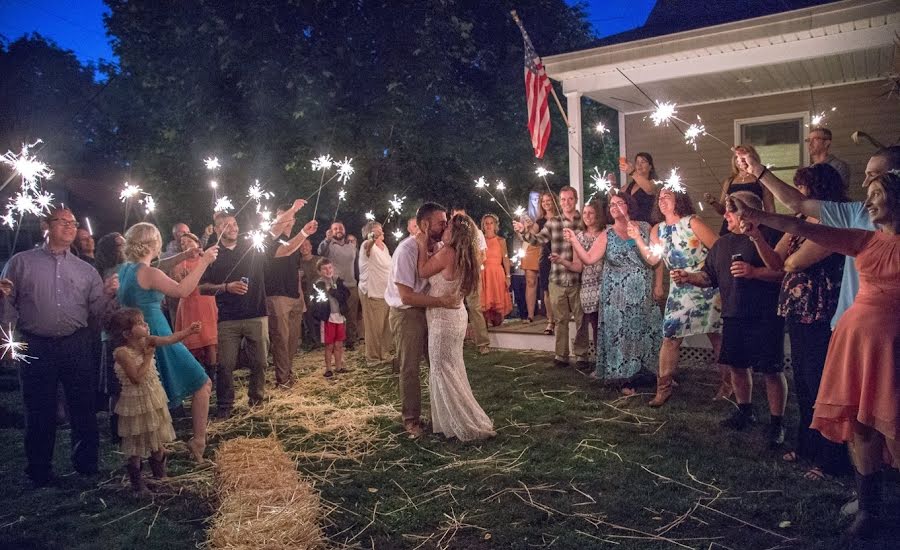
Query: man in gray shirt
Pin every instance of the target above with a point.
(819, 146)
(342, 254)
(51, 295)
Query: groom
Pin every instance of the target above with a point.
(407, 296)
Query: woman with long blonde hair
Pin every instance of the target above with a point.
(454, 269)
(143, 286)
(536, 263)
(374, 267)
(741, 179)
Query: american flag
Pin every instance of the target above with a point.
(537, 92)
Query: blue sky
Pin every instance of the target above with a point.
(78, 24)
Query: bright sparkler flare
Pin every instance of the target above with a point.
(481, 183)
(601, 128)
(693, 132)
(212, 163)
(370, 216)
(344, 170)
(700, 204)
(500, 186)
(600, 182)
(519, 211)
(9, 220)
(27, 166)
(663, 113)
(397, 204)
(257, 193)
(149, 204)
(673, 182)
(818, 119)
(321, 296)
(542, 172)
(342, 195)
(397, 234)
(323, 162)
(23, 203)
(223, 204)
(129, 191)
(258, 240)
(657, 250)
(15, 350)
(214, 184)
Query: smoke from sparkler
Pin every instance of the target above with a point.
(15, 350)
(344, 170)
(212, 163)
(663, 113)
(223, 204)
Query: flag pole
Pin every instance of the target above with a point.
(562, 111)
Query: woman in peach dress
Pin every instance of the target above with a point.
(859, 398)
(496, 302)
(197, 307)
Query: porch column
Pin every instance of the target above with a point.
(623, 151)
(576, 162)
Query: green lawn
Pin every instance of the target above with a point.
(573, 466)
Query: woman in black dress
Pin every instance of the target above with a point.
(740, 180)
(642, 186)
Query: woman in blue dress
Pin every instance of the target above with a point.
(630, 331)
(143, 287)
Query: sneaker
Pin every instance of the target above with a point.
(739, 421)
(775, 436)
(850, 508)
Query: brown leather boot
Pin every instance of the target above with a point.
(158, 467)
(663, 391)
(137, 481)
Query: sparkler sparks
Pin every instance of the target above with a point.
(481, 183)
(323, 162)
(818, 119)
(223, 204)
(23, 203)
(344, 170)
(212, 163)
(600, 182)
(673, 182)
(601, 128)
(342, 194)
(370, 216)
(397, 234)
(8, 220)
(129, 191)
(28, 167)
(257, 193)
(214, 184)
(500, 186)
(396, 205)
(321, 296)
(657, 250)
(15, 350)
(700, 204)
(542, 172)
(664, 112)
(149, 203)
(519, 211)
(693, 132)
(257, 239)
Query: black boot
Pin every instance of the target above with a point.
(865, 524)
(211, 372)
(114, 428)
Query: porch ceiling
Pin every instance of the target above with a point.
(835, 44)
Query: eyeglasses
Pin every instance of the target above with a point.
(64, 223)
(812, 138)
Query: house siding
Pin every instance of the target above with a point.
(859, 107)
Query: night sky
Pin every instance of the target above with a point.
(78, 25)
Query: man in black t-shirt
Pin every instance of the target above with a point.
(752, 331)
(284, 302)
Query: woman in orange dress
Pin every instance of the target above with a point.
(859, 398)
(197, 307)
(495, 276)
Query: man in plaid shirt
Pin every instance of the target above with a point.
(564, 284)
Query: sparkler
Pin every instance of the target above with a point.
(149, 204)
(87, 221)
(223, 204)
(819, 118)
(344, 170)
(482, 183)
(8, 220)
(321, 296)
(26, 166)
(342, 194)
(321, 163)
(519, 211)
(700, 204)
(600, 183)
(657, 250)
(664, 112)
(15, 350)
(127, 194)
(601, 129)
(257, 239)
(673, 182)
(370, 216)
(395, 206)
(212, 163)
(692, 133)
(500, 186)
(543, 173)
(398, 234)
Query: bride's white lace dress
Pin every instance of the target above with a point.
(454, 411)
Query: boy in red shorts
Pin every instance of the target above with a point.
(330, 309)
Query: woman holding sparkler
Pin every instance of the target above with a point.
(630, 322)
(741, 179)
(452, 270)
(374, 267)
(536, 263)
(859, 398)
(143, 287)
(196, 307)
(496, 274)
(681, 240)
(642, 186)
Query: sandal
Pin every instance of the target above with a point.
(549, 328)
(328, 374)
(791, 456)
(815, 474)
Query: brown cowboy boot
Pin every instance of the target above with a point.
(663, 391)
(158, 467)
(137, 481)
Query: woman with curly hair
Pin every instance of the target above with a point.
(143, 286)
(452, 270)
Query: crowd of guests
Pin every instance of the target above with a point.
(196, 307)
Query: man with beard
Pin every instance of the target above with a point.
(342, 254)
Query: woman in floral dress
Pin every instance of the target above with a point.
(682, 240)
(630, 322)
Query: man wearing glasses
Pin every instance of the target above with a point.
(50, 294)
(819, 144)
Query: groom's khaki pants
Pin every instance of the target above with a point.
(410, 338)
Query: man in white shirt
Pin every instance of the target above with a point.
(473, 300)
(407, 296)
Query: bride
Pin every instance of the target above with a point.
(453, 269)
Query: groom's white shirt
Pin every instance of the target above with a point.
(404, 270)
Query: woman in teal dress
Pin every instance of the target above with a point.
(143, 287)
(681, 240)
(630, 324)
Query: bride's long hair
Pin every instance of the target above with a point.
(464, 240)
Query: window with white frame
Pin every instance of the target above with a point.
(779, 141)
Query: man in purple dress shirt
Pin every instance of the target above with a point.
(51, 294)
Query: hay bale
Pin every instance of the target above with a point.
(263, 502)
